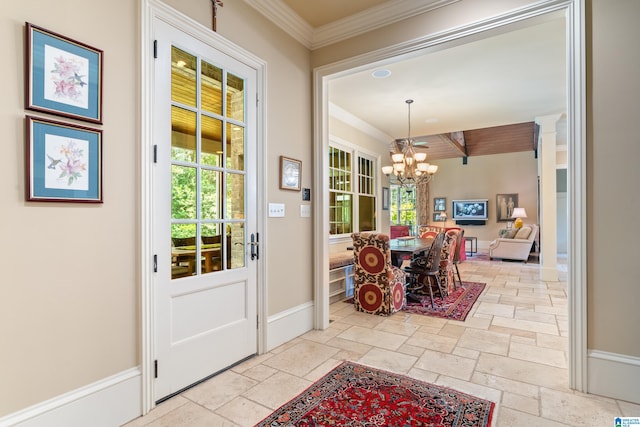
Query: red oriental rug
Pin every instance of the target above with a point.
(357, 395)
(455, 306)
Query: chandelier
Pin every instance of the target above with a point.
(409, 167)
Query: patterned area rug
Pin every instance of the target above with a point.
(455, 306)
(356, 395)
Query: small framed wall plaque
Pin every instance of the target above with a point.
(290, 173)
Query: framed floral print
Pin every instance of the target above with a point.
(63, 162)
(64, 76)
(290, 172)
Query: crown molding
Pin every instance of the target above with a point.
(376, 17)
(285, 18)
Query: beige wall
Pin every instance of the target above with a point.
(70, 297)
(482, 178)
(613, 175)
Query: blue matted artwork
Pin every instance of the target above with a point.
(64, 162)
(64, 77)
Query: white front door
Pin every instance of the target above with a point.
(204, 210)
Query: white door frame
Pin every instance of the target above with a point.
(574, 11)
(150, 11)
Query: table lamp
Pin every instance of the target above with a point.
(443, 217)
(518, 214)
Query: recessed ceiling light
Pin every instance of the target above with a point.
(431, 120)
(381, 73)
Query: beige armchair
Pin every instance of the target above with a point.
(518, 247)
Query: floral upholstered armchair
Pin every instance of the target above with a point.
(379, 287)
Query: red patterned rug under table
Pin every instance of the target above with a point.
(357, 395)
(455, 306)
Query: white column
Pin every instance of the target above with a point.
(548, 211)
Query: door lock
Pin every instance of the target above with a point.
(255, 246)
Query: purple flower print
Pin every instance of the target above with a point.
(74, 166)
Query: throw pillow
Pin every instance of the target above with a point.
(523, 233)
(510, 233)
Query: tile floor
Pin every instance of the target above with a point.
(512, 349)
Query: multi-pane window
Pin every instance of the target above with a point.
(366, 194)
(403, 206)
(208, 170)
(351, 207)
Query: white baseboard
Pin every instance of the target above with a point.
(109, 402)
(613, 375)
(289, 324)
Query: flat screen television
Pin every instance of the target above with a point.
(474, 210)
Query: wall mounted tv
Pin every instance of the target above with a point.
(469, 212)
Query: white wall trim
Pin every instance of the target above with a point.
(289, 324)
(109, 402)
(614, 375)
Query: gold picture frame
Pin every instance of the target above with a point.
(290, 173)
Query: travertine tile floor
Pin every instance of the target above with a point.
(512, 349)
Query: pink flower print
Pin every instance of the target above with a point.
(67, 79)
(65, 69)
(74, 166)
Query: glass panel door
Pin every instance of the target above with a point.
(208, 133)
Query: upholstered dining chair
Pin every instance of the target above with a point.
(424, 271)
(378, 285)
(446, 260)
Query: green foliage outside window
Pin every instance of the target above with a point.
(402, 206)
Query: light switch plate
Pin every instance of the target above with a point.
(305, 211)
(276, 210)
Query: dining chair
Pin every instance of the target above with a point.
(379, 286)
(456, 256)
(449, 250)
(425, 271)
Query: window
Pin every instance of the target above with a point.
(403, 206)
(351, 207)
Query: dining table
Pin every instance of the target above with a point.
(210, 253)
(404, 247)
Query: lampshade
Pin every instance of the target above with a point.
(518, 214)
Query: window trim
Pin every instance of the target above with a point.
(356, 152)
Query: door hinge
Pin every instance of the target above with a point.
(155, 49)
(155, 263)
(155, 369)
(155, 153)
(257, 100)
